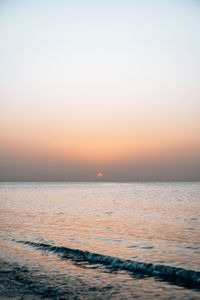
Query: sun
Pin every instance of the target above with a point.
(99, 175)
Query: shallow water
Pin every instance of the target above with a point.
(150, 223)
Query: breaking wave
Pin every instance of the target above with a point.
(188, 278)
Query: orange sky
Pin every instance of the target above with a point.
(101, 89)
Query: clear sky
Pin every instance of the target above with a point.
(99, 86)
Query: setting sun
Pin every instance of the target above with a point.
(99, 175)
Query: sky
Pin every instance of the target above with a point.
(100, 86)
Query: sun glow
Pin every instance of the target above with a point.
(99, 175)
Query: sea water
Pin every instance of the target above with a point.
(96, 240)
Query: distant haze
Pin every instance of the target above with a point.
(109, 87)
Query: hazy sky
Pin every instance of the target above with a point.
(99, 86)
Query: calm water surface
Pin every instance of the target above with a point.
(156, 223)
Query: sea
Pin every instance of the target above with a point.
(99, 240)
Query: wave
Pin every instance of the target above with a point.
(188, 278)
